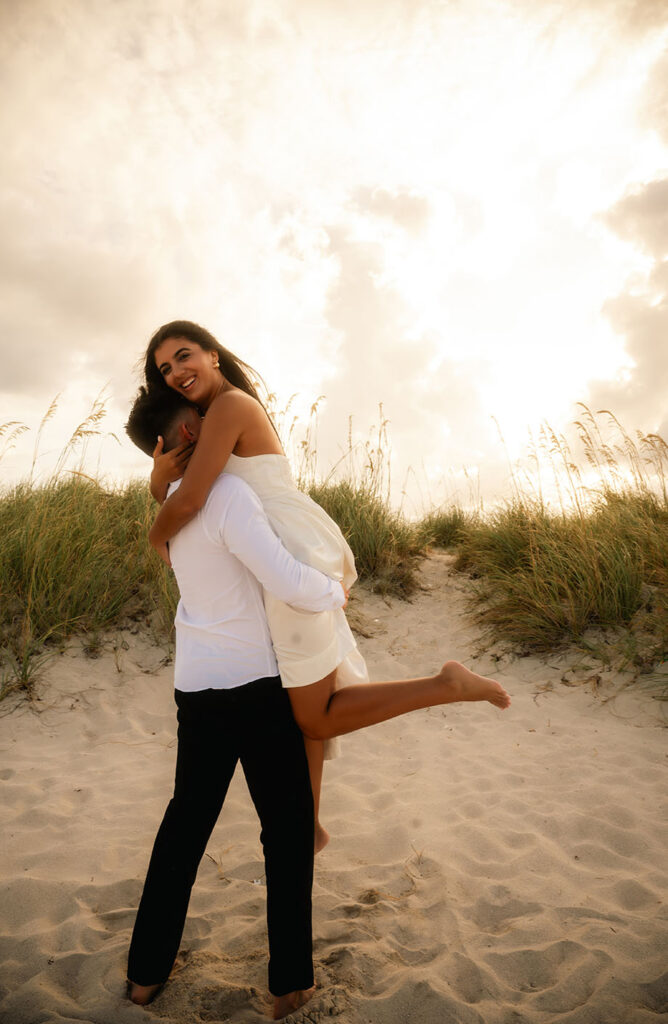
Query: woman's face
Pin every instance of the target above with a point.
(189, 369)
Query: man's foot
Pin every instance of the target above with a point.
(142, 995)
(283, 1005)
(321, 838)
(462, 684)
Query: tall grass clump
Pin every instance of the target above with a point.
(356, 494)
(446, 527)
(384, 544)
(74, 559)
(545, 574)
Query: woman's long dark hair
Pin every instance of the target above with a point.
(232, 368)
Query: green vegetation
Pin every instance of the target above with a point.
(446, 528)
(385, 545)
(75, 560)
(546, 575)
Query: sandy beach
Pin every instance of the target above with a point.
(485, 867)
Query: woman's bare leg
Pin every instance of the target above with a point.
(315, 752)
(323, 712)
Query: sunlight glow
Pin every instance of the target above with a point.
(407, 205)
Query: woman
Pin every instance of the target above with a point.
(314, 652)
(237, 435)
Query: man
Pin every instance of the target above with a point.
(231, 707)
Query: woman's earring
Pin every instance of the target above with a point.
(216, 365)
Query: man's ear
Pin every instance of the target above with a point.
(186, 435)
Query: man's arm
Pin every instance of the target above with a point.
(243, 527)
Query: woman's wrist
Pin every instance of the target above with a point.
(158, 486)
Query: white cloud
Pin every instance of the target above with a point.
(384, 201)
(640, 314)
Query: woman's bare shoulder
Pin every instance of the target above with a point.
(243, 422)
(235, 402)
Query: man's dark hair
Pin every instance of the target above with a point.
(153, 414)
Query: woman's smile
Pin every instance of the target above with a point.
(188, 369)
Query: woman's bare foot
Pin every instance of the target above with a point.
(462, 684)
(283, 1005)
(321, 838)
(142, 995)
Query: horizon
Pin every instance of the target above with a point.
(559, 469)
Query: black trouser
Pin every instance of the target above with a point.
(253, 723)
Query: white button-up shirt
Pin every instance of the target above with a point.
(222, 559)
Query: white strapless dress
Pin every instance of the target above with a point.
(308, 645)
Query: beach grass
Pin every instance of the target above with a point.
(446, 527)
(356, 494)
(386, 546)
(596, 559)
(544, 578)
(545, 570)
(74, 559)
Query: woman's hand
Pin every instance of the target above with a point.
(347, 593)
(168, 467)
(162, 549)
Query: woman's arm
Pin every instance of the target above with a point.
(222, 427)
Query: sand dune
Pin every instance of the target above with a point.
(486, 867)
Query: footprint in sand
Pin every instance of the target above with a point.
(497, 918)
(468, 981)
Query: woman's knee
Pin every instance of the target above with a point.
(315, 729)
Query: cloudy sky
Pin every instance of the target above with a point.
(455, 208)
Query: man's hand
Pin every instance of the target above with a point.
(168, 467)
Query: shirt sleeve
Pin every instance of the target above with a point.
(241, 523)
